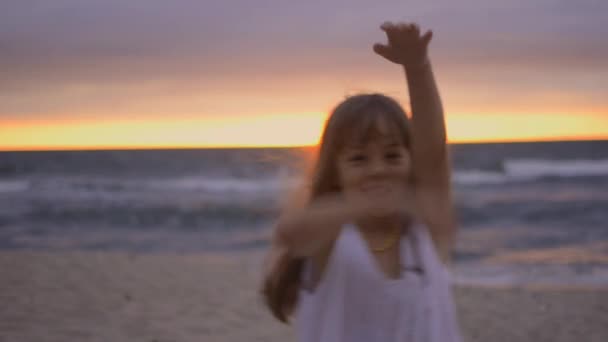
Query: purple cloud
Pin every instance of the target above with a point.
(45, 45)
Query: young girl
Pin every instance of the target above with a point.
(365, 258)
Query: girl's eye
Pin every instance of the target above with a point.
(357, 158)
(392, 155)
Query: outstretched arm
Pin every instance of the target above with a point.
(407, 47)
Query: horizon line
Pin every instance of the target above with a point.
(227, 147)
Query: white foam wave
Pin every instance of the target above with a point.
(518, 170)
(479, 274)
(475, 177)
(115, 187)
(534, 168)
(13, 186)
(219, 185)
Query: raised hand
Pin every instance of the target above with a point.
(406, 46)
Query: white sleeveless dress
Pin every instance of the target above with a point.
(356, 302)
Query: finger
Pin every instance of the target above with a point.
(382, 50)
(403, 26)
(427, 37)
(392, 32)
(415, 29)
(387, 25)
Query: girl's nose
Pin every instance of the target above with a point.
(377, 167)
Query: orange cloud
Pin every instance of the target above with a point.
(486, 127)
(294, 129)
(249, 131)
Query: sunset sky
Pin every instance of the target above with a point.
(185, 73)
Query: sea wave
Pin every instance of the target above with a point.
(126, 215)
(534, 168)
(116, 187)
(519, 170)
(479, 177)
(220, 185)
(538, 275)
(512, 171)
(13, 185)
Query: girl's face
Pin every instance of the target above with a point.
(381, 164)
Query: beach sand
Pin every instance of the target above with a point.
(63, 296)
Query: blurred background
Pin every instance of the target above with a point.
(178, 128)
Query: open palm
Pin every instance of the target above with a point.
(406, 46)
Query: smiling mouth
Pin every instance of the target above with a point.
(374, 187)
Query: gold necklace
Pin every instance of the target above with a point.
(388, 243)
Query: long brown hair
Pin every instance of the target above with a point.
(350, 122)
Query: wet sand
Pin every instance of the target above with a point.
(63, 296)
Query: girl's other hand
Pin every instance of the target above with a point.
(384, 203)
(406, 45)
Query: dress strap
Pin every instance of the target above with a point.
(416, 266)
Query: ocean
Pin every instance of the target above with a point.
(529, 213)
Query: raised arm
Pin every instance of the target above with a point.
(408, 48)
